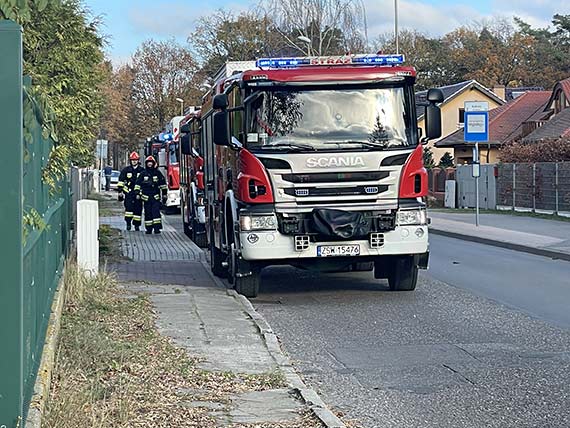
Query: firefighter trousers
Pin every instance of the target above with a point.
(152, 218)
(133, 210)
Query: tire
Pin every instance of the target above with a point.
(187, 230)
(200, 239)
(248, 286)
(216, 260)
(403, 275)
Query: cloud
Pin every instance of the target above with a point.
(428, 18)
(175, 19)
(438, 19)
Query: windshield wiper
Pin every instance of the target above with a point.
(291, 146)
(363, 143)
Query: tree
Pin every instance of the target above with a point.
(429, 56)
(428, 158)
(446, 160)
(63, 53)
(223, 37)
(551, 51)
(119, 123)
(491, 52)
(332, 26)
(163, 71)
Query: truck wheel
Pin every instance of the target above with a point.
(403, 274)
(216, 260)
(248, 286)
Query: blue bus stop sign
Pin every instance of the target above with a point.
(476, 126)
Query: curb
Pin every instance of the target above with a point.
(309, 395)
(43, 377)
(502, 244)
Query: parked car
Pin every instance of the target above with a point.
(115, 179)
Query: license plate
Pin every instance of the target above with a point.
(338, 250)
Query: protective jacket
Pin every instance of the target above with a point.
(150, 184)
(128, 178)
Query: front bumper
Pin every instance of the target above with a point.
(272, 245)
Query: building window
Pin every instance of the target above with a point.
(461, 116)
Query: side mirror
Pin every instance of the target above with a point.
(220, 102)
(185, 146)
(433, 122)
(435, 96)
(221, 129)
(185, 129)
(433, 114)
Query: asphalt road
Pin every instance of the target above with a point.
(482, 342)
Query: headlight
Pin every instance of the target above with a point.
(258, 222)
(411, 217)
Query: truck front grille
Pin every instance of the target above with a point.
(335, 191)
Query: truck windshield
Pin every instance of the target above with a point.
(324, 119)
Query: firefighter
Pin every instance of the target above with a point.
(151, 187)
(126, 186)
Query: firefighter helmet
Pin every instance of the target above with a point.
(150, 159)
(134, 156)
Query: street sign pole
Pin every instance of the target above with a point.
(476, 173)
(476, 130)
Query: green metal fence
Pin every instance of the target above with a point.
(36, 234)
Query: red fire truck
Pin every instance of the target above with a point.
(192, 205)
(317, 163)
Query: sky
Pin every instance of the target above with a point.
(127, 23)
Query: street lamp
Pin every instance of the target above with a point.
(181, 101)
(396, 32)
(308, 42)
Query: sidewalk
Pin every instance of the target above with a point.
(549, 238)
(218, 327)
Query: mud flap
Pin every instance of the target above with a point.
(422, 260)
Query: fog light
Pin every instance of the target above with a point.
(419, 232)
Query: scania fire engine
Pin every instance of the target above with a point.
(317, 163)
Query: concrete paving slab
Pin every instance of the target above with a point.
(275, 405)
(213, 326)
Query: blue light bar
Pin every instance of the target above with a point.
(379, 59)
(281, 62)
(165, 136)
(331, 60)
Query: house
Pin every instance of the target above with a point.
(507, 123)
(555, 122)
(452, 111)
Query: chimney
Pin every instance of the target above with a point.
(500, 91)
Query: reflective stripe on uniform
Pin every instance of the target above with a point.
(129, 214)
(137, 217)
(163, 187)
(157, 221)
(144, 197)
(137, 187)
(157, 197)
(120, 184)
(148, 223)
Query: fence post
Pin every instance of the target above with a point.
(533, 187)
(556, 187)
(11, 262)
(514, 184)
